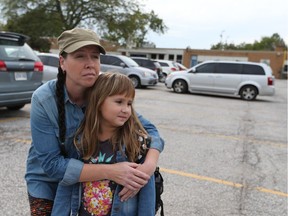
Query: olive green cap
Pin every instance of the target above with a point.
(71, 40)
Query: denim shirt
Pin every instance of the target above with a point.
(45, 166)
(68, 199)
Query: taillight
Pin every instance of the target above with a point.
(174, 69)
(270, 80)
(3, 66)
(38, 66)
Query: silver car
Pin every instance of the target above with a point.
(247, 79)
(21, 71)
(140, 76)
(51, 63)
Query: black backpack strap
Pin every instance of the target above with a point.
(159, 186)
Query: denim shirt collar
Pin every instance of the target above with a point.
(67, 99)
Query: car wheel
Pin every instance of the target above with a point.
(180, 86)
(136, 81)
(16, 107)
(248, 93)
(162, 78)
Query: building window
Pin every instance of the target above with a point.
(153, 56)
(161, 56)
(179, 58)
(171, 57)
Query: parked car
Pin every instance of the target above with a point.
(149, 63)
(51, 63)
(284, 70)
(246, 79)
(167, 68)
(21, 71)
(140, 76)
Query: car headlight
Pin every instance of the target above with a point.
(146, 73)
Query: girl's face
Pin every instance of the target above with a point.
(82, 66)
(115, 111)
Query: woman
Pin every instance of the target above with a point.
(110, 133)
(57, 108)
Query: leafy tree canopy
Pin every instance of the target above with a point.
(121, 21)
(266, 43)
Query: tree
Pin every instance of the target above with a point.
(130, 29)
(266, 43)
(120, 21)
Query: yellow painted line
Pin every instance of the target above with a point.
(23, 141)
(220, 181)
(264, 190)
(11, 119)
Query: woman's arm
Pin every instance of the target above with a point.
(157, 142)
(45, 145)
(150, 163)
(123, 173)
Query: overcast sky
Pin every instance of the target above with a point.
(202, 23)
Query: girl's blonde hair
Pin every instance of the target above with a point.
(86, 137)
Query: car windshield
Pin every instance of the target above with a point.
(129, 62)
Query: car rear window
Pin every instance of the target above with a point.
(163, 64)
(148, 63)
(49, 60)
(253, 70)
(17, 53)
(110, 60)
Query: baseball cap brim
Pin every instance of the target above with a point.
(77, 45)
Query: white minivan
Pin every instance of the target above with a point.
(247, 79)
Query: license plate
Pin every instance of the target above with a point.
(20, 76)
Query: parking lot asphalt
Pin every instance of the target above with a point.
(223, 156)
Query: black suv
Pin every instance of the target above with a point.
(149, 63)
(21, 71)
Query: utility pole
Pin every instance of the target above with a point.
(221, 37)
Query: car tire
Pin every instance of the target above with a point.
(162, 78)
(180, 86)
(16, 107)
(248, 93)
(136, 81)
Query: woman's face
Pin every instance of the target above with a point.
(82, 66)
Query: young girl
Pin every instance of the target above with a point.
(111, 133)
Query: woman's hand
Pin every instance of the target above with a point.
(147, 167)
(128, 175)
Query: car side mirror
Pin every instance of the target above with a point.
(193, 70)
(122, 64)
